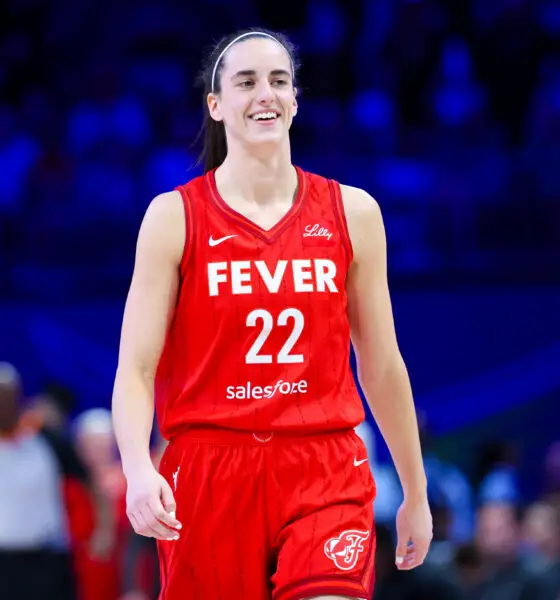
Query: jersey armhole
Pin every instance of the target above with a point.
(340, 215)
(189, 229)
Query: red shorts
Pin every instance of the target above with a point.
(268, 517)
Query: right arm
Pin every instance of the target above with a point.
(148, 311)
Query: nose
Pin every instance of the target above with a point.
(265, 94)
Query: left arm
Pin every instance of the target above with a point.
(381, 369)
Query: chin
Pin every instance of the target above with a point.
(266, 138)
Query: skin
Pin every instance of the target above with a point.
(258, 180)
(10, 391)
(257, 177)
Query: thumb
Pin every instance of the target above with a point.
(167, 497)
(403, 537)
(402, 546)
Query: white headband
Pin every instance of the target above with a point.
(240, 37)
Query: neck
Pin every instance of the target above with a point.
(257, 179)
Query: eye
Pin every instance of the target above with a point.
(246, 83)
(280, 82)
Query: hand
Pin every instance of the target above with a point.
(150, 505)
(414, 533)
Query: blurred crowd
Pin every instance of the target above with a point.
(64, 534)
(447, 112)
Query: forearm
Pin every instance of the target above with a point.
(389, 396)
(133, 415)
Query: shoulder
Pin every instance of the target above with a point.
(357, 202)
(170, 209)
(163, 227)
(164, 208)
(363, 217)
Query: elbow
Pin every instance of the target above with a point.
(374, 375)
(127, 371)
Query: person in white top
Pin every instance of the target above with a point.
(34, 561)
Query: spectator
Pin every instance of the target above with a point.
(35, 561)
(98, 573)
(89, 512)
(503, 576)
(541, 543)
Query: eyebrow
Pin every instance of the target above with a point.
(252, 73)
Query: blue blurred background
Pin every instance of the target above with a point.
(447, 112)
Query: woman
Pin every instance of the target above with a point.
(247, 285)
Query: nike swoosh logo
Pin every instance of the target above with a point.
(212, 242)
(357, 462)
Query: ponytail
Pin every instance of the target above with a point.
(214, 149)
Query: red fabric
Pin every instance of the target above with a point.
(285, 518)
(260, 338)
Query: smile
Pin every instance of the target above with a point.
(265, 117)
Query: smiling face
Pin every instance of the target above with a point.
(256, 98)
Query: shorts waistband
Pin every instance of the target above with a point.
(235, 436)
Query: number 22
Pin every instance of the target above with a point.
(284, 356)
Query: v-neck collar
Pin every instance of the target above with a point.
(266, 235)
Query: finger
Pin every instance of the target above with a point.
(167, 498)
(402, 548)
(134, 522)
(151, 515)
(154, 527)
(410, 563)
(166, 519)
(168, 502)
(407, 564)
(142, 527)
(415, 558)
(405, 554)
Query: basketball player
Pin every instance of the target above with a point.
(247, 285)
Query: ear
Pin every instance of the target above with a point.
(295, 102)
(214, 106)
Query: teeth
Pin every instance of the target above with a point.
(264, 115)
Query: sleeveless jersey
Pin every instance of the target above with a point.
(260, 339)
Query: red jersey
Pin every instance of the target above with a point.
(260, 339)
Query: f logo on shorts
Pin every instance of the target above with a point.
(345, 549)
